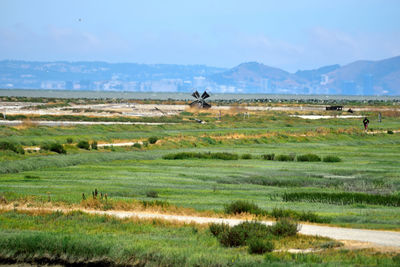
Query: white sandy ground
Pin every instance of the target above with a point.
(317, 117)
(375, 238)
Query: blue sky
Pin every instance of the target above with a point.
(290, 34)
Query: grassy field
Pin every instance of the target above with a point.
(370, 164)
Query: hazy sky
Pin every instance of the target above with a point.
(290, 34)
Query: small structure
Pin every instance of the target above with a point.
(200, 102)
(339, 108)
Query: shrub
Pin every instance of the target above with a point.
(284, 227)
(240, 234)
(295, 215)
(94, 145)
(308, 157)
(152, 194)
(254, 229)
(233, 238)
(246, 156)
(217, 228)
(268, 156)
(69, 140)
(331, 159)
(343, 198)
(188, 155)
(137, 145)
(285, 158)
(260, 246)
(153, 139)
(58, 148)
(224, 156)
(390, 132)
(242, 206)
(4, 145)
(83, 145)
(145, 143)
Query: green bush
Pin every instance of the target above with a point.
(268, 156)
(243, 206)
(285, 227)
(344, 198)
(390, 132)
(217, 228)
(4, 145)
(308, 157)
(331, 159)
(234, 237)
(153, 139)
(204, 155)
(152, 194)
(253, 229)
(58, 148)
(83, 145)
(295, 215)
(93, 145)
(69, 140)
(260, 246)
(137, 145)
(285, 157)
(246, 156)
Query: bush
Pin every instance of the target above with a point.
(242, 206)
(4, 145)
(240, 234)
(308, 157)
(295, 215)
(217, 228)
(390, 132)
(285, 157)
(137, 145)
(331, 159)
(152, 194)
(69, 140)
(83, 145)
(260, 246)
(234, 237)
(188, 155)
(254, 229)
(246, 156)
(94, 145)
(153, 139)
(284, 227)
(344, 198)
(58, 148)
(268, 156)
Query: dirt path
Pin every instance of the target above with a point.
(374, 237)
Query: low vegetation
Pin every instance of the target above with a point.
(83, 145)
(204, 155)
(308, 157)
(344, 198)
(4, 145)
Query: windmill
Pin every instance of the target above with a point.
(199, 102)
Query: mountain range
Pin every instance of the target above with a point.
(358, 78)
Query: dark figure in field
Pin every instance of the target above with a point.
(365, 121)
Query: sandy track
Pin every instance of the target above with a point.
(375, 237)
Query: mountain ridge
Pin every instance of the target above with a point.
(362, 77)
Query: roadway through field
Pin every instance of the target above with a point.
(377, 237)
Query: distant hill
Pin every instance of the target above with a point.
(358, 78)
(366, 77)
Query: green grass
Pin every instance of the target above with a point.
(369, 164)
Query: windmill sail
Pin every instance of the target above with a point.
(200, 102)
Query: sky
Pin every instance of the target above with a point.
(288, 34)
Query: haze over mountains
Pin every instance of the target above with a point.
(358, 78)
